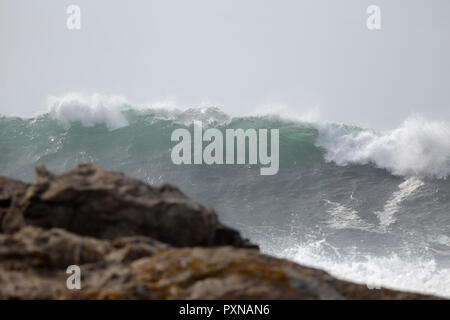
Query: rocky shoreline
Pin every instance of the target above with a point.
(135, 241)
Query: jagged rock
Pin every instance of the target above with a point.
(132, 248)
(33, 261)
(103, 204)
(49, 249)
(122, 234)
(8, 188)
(2, 214)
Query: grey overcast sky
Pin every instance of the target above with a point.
(240, 54)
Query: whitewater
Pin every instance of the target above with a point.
(367, 206)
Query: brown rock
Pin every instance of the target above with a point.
(33, 261)
(121, 231)
(223, 273)
(49, 249)
(132, 248)
(103, 204)
(8, 189)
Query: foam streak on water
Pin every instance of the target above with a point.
(367, 206)
(406, 189)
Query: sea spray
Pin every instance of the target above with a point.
(377, 199)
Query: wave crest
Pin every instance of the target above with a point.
(417, 148)
(90, 110)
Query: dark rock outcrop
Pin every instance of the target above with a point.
(126, 236)
(103, 204)
(8, 188)
(33, 261)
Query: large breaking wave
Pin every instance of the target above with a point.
(365, 205)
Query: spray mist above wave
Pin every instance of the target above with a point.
(99, 109)
(109, 110)
(417, 148)
(90, 110)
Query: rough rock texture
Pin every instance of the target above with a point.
(228, 273)
(33, 260)
(8, 188)
(126, 238)
(94, 202)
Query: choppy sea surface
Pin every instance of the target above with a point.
(367, 206)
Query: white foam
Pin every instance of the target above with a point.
(344, 217)
(415, 274)
(94, 109)
(418, 147)
(90, 110)
(406, 189)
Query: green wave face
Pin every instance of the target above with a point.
(139, 148)
(342, 195)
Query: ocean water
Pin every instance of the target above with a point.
(367, 206)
